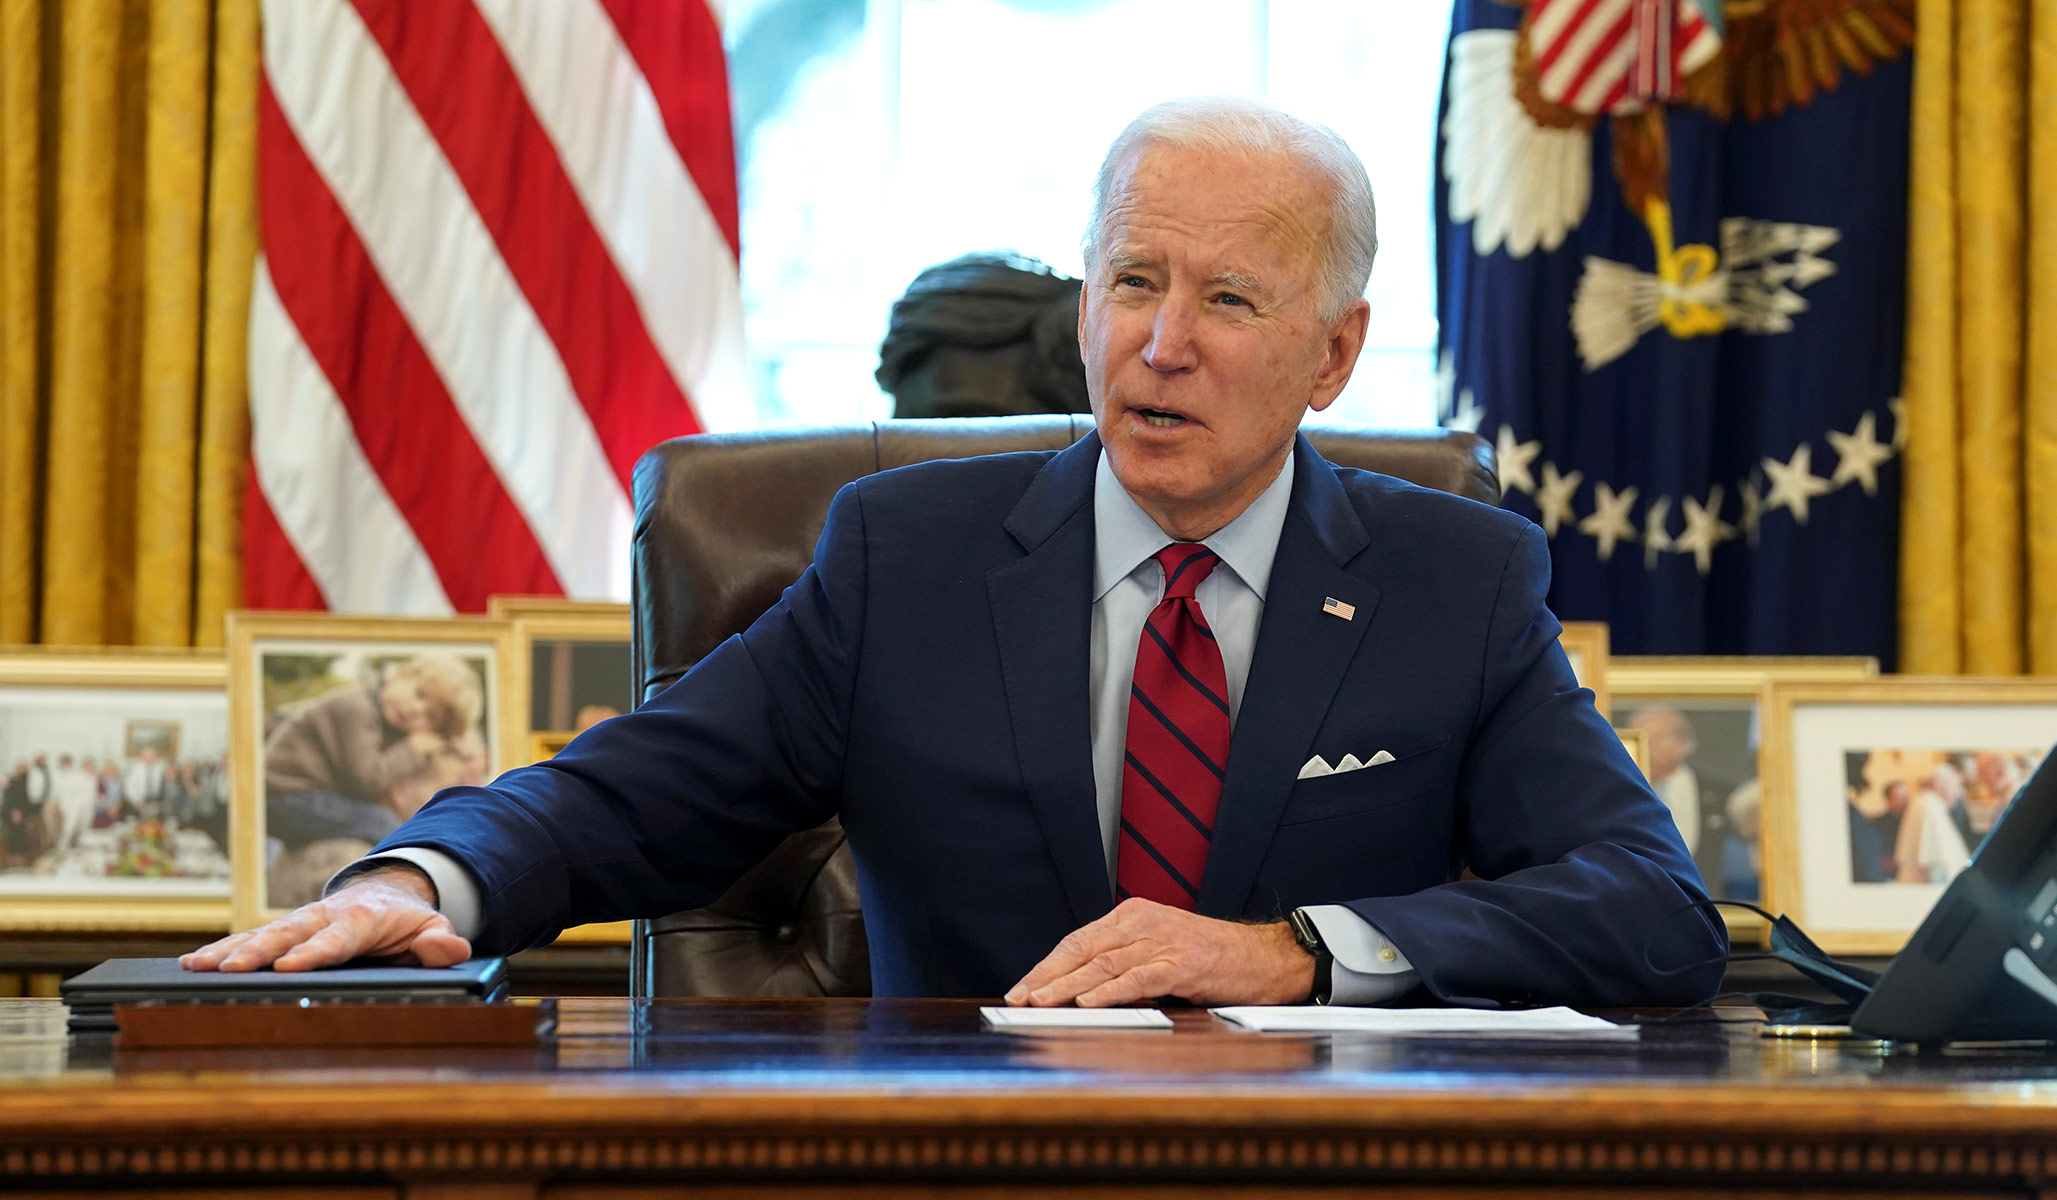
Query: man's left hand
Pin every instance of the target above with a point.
(1143, 950)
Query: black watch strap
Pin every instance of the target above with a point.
(1309, 937)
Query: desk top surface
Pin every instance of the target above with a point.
(824, 1093)
(936, 1057)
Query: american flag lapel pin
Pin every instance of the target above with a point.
(1336, 608)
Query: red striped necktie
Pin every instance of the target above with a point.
(1178, 734)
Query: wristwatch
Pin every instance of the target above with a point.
(1309, 938)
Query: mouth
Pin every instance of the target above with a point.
(1159, 418)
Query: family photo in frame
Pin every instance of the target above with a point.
(1702, 718)
(1878, 792)
(342, 728)
(114, 791)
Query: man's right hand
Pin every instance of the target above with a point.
(387, 913)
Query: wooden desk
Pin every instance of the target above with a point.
(914, 1097)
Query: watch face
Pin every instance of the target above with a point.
(1304, 931)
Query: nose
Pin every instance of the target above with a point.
(1171, 337)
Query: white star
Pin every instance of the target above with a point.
(1610, 521)
(1515, 456)
(1704, 530)
(1860, 455)
(1793, 483)
(1655, 539)
(1446, 381)
(1553, 497)
(1899, 408)
(1753, 507)
(1467, 415)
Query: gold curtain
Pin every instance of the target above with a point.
(1978, 563)
(127, 239)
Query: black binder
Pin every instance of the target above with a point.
(92, 995)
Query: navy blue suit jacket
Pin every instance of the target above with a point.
(927, 680)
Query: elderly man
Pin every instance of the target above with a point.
(1182, 710)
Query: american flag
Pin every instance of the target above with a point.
(1611, 56)
(499, 262)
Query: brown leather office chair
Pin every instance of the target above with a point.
(723, 523)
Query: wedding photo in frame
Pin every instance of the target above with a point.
(569, 669)
(341, 727)
(1878, 791)
(1700, 717)
(1585, 644)
(114, 791)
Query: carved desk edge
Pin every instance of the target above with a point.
(629, 1127)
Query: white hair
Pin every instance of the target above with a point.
(1226, 125)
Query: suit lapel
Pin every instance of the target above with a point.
(1302, 654)
(1042, 617)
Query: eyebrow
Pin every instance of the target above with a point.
(1235, 281)
(1125, 261)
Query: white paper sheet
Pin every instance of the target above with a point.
(1075, 1018)
(1536, 1022)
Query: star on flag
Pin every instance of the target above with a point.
(1861, 454)
(1793, 482)
(1554, 495)
(1609, 522)
(1704, 530)
(1515, 456)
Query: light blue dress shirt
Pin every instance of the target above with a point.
(1127, 584)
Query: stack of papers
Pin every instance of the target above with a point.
(1075, 1018)
(1535, 1022)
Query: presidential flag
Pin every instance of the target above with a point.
(499, 262)
(1671, 240)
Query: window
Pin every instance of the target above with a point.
(879, 138)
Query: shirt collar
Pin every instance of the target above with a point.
(1124, 535)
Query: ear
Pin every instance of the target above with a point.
(1085, 290)
(1344, 342)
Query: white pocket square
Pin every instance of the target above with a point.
(1318, 766)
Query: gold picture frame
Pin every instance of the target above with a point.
(1837, 751)
(561, 625)
(544, 690)
(1585, 644)
(1637, 743)
(1721, 701)
(544, 746)
(296, 667)
(506, 608)
(162, 856)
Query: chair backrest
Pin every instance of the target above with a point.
(724, 522)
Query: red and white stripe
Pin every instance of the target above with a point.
(499, 263)
(1617, 56)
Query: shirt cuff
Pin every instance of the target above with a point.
(457, 897)
(1369, 968)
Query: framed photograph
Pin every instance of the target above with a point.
(571, 670)
(1585, 644)
(341, 727)
(114, 803)
(1877, 791)
(1704, 754)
